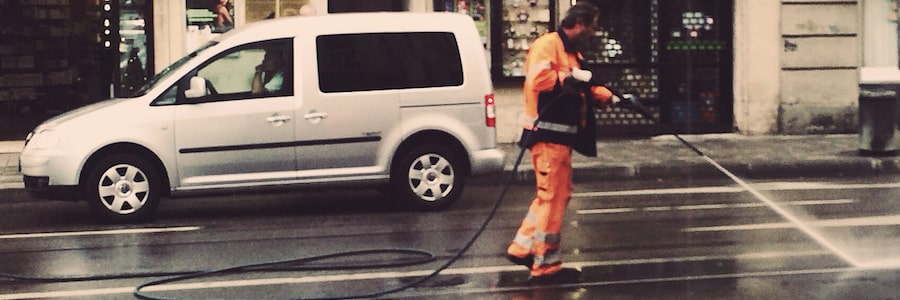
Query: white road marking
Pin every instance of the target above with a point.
(709, 206)
(770, 186)
(510, 289)
(849, 222)
(390, 275)
(98, 232)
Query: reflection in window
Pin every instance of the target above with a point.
(133, 47)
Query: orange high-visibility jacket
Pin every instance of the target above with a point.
(565, 118)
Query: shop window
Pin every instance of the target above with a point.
(674, 55)
(479, 10)
(134, 46)
(518, 24)
(880, 33)
(215, 15)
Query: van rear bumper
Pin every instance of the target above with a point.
(487, 161)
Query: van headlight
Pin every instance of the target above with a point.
(45, 139)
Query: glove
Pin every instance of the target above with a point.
(582, 75)
(580, 80)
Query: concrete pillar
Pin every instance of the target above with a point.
(169, 24)
(757, 65)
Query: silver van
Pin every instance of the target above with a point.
(401, 101)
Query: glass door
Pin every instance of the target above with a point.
(135, 48)
(676, 55)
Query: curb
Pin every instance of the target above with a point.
(701, 169)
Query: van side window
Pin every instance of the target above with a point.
(254, 70)
(383, 61)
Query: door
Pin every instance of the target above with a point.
(349, 108)
(237, 129)
(696, 70)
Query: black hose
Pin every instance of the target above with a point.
(268, 266)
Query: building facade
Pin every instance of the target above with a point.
(702, 66)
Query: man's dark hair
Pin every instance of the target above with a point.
(581, 11)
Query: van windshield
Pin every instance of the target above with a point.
(170, 69)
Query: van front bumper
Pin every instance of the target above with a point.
(39, 186)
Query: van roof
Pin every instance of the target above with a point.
(353, 23)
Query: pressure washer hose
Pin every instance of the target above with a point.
(138, 291)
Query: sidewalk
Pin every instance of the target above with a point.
(664, 157)
(770, 157)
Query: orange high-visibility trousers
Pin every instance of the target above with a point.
(539, 234)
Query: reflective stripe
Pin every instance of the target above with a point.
(538, 67)
(552, 257)
(528, 123)
(548, 238)
(557, 127)
(531, 218)
(523, 240)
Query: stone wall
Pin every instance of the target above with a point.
(820, 61)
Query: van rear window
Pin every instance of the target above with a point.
(383, 61)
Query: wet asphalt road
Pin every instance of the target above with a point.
(825, 239)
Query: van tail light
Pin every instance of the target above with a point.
(490, 112)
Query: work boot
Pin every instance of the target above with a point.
(526, 261)
(565, 275)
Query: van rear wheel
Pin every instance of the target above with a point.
(428, 177)
(123, 188)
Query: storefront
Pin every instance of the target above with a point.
(676, 55)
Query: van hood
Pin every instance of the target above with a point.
(78, 112)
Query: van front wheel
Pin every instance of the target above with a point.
(428, 177)
(123, 188)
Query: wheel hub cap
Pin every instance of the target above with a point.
(431, 176)
(123, 188)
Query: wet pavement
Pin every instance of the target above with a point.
(634, 246)
(648, 239)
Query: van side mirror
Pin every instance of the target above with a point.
(197, 88)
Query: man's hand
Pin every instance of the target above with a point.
(631, 102)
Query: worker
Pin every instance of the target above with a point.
(560, 98)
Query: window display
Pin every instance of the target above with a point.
(205, 19)
(674, 55)
(521, 21)
(695, 43)
(477, 9)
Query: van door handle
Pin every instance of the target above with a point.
(315, 117)
(278, 119)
